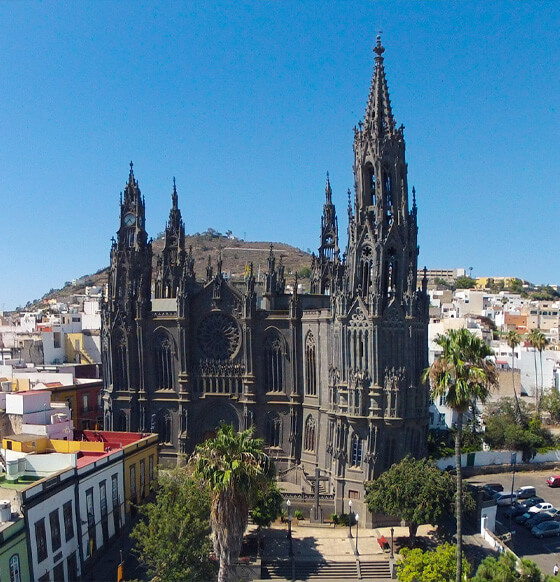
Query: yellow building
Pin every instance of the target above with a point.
(140, 470)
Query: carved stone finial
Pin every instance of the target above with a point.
(379, 50)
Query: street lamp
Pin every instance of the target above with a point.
(350, 518)
(392, 544)
(289, 505)
(357, 530)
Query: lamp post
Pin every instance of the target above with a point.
(350, 518)
(392, 544)
(289, 505)
(357, 530)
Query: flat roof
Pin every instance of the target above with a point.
(24, 438)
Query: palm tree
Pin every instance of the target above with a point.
(539, 342)
(513, 339)
(235, 466)
(462, 374)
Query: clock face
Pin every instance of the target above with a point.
(129, 219)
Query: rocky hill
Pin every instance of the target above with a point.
(236, 255)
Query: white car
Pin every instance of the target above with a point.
(540, 507)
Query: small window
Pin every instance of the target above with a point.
(353, 494)
(356, 451)
(72, 564)
(115, 490)
(68, 521)
(58, 572)
(142, 479)
(55, 530)
(151, 468)
(15, 574)
(133, 480)
(41, 540)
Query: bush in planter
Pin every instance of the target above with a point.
(343, 519)
(298, 514)
(335, 519)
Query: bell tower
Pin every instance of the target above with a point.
(383, 251)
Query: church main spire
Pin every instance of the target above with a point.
(379, 118)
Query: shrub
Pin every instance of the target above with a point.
(298, 514)
(334, 518)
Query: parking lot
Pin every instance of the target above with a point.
(545, 552)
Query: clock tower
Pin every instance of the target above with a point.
(128, 303)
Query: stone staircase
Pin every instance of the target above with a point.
(307, 570)
(379, 570)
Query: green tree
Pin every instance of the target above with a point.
(515, 285)
(173, 536)
(463, 375)
(413, 490)
(437, 565)
(267, 507)
(551, 403)
(513, 339)
(235, 467)
(538, 342)
(304, 273)
(465, 283)
(504, 569)
(508, 427)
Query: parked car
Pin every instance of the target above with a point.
(505, 498)
(526, 492)
(515, 511)
(544, 506)
(553, 481)
(524, 517)
(520, 508)
(531, 501)
(541, 517)
(492, 488)
(546, 529)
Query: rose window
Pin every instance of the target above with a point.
(218, 336)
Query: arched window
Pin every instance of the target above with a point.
(15, 574)
(356, 456)
(310, 366)
(274, 363)
(388, 198)
(309, 435)
(164, 427)
(120, 362)
(122, 422)
(371, 184)
(164, 356)
(274, 431)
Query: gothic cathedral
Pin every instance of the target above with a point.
(331, 379)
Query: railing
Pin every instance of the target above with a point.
(308, 496)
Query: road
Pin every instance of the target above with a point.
(545, 552)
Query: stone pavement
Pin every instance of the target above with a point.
(331, 543)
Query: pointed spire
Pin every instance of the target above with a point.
(174, 197)
(413, 199)
(379, 115)
(328, 190)
(131, 174)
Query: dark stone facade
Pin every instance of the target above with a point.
(330, 379)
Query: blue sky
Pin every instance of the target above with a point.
(249, 104)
